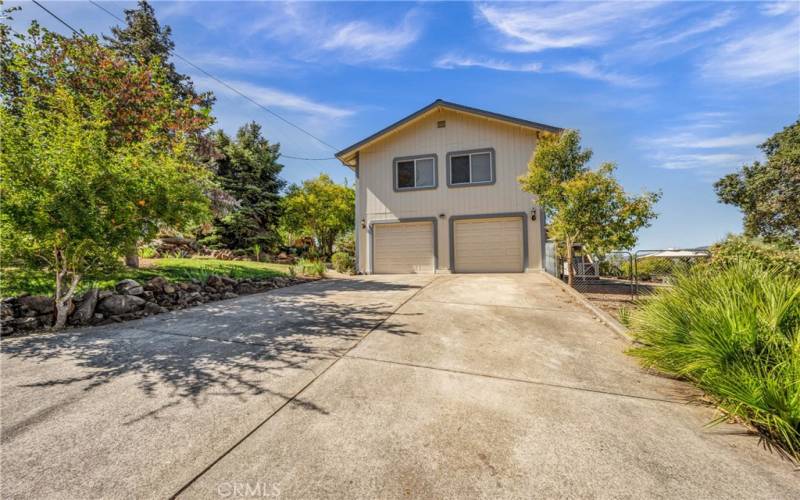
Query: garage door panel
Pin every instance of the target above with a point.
(401, 248)
(489, 245)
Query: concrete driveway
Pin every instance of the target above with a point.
(402, 386)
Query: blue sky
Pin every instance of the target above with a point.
(676, 93)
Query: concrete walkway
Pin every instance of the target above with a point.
(405, 386)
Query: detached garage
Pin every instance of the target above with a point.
(488, 244)
(403, 247)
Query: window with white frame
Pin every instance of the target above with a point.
(415, 173)
(471, 167)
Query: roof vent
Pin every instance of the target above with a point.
(441, 124)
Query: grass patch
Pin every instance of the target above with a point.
(735, 333)
(15, 281)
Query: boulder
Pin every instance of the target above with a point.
(245, 288)
(104, 293)
(27, 323)
(40, 304)
(119, 304)
(153, 308)
(169, 289)
(85, 310)
(215, 281)
(156, 284)
(129, 287)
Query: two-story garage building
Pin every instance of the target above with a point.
(438, 191)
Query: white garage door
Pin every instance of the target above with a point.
(403, 248)
(488, 245)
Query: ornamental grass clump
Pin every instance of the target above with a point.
(735, 333)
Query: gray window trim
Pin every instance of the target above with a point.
(452, 232)
(371, 238)
(416, 157)
(492, 160)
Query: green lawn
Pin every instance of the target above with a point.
(15, 281)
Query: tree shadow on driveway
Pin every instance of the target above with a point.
(234, 348)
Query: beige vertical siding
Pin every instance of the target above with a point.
(513, 147)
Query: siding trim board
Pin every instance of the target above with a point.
(399, 159)
(492, 159)
(371, 238)
(451, 233)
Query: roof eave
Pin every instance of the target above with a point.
(348, 154)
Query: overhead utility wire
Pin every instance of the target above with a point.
(221, 82)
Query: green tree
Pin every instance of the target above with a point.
(74, 195)
(143, 39)
(248, 170)
(768, 194)
(71, 202)
(584, 206)
(138, 99)
(321, 209)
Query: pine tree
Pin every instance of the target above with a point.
(144, 39)
(248, 170)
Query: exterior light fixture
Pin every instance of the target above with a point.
(363, 224)
(533, 214)
(441, 216)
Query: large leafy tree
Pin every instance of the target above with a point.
(248, 170)
(79, 184)
(581, 205)
(768, 193)
(321, 209)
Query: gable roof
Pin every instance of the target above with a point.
(346, 155)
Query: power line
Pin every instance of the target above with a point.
(221, 82)
(58, 18)
(227, 85)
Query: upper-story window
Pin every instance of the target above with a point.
(467, 168)
(415, 172)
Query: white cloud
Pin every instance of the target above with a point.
(307, 29)
(593, 71)
(693, 141)
(700, 143)
(769, 53)
(453, 61)
(671, 42)
(700, 161)
(779, 8)
(367, 41)
(267, 96)
(538, 27)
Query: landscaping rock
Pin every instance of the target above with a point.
(120, 304)
(104, 293)
(229, 295)
(228, 282)
(153, 308)
(214, 281)
(156, 284)
(27, 323)
(129, 287)
(169, 289)
(40, 304)
(85, 310)
(245, 288)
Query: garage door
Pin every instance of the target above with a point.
(403, 248)
(488, 245)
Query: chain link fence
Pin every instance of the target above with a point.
(616, 279)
